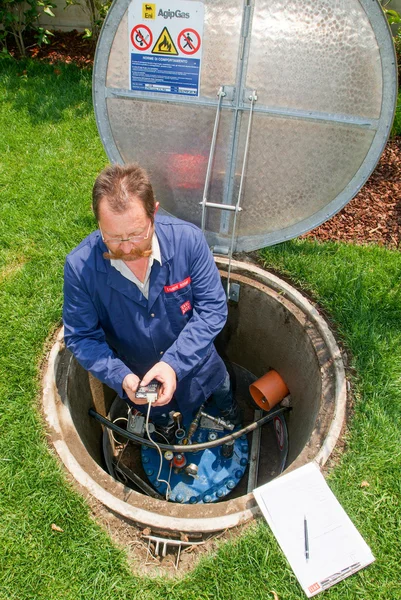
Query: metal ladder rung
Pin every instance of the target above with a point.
(221, 206)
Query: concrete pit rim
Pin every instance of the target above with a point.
(238, 510)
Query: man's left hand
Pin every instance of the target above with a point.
(168, 379)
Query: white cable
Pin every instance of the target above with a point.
(168, 490)
(161, 435)
(115, 421)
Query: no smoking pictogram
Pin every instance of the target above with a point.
(141, 37)
(189, 41)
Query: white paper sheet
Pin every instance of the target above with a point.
(336, 548)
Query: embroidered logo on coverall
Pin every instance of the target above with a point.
(185, 307)
(177, 286)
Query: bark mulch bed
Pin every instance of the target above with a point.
(66, 46)
(373, 216)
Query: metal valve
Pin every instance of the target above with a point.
(192, 470)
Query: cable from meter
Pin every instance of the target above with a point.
(168, 489)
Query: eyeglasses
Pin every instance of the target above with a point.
(132, 238)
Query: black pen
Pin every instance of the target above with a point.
(306, 539)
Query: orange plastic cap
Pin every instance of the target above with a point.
(269, 390)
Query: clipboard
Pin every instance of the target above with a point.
(316, 535)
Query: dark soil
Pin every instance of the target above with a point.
(65, 46)
(373, 216)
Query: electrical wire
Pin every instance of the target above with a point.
(161, 435)
(156, 445)
(123, 477)
(115, 421)
(190, 447)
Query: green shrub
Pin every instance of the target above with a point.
(17, 17)
(396, 130)
(96, 10)
(392, 15)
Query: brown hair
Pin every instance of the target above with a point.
(119, 185)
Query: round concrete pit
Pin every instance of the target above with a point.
(271, 326)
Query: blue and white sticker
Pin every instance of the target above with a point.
(165, 46)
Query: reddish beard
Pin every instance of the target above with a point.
(133, 255)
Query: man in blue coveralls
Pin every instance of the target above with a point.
(143, 300)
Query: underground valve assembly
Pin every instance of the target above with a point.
(189, 463)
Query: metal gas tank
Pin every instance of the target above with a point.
(280, 108)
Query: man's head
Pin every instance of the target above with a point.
(119, 186)
(124, 206)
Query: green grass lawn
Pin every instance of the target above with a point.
(50, 153)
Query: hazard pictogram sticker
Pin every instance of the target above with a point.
(189, 41)
(165, 44)
(141, 37)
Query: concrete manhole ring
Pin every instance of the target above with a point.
(272, 326)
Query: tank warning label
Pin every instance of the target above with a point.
(141, 37)
(188, 44)
(165, 46)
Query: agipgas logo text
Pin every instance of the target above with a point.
(171, 14)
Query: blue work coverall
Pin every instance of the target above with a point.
(113, 330)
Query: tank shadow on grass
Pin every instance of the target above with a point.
(45, 91)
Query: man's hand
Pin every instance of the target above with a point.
(130, 385)
(168, 379)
